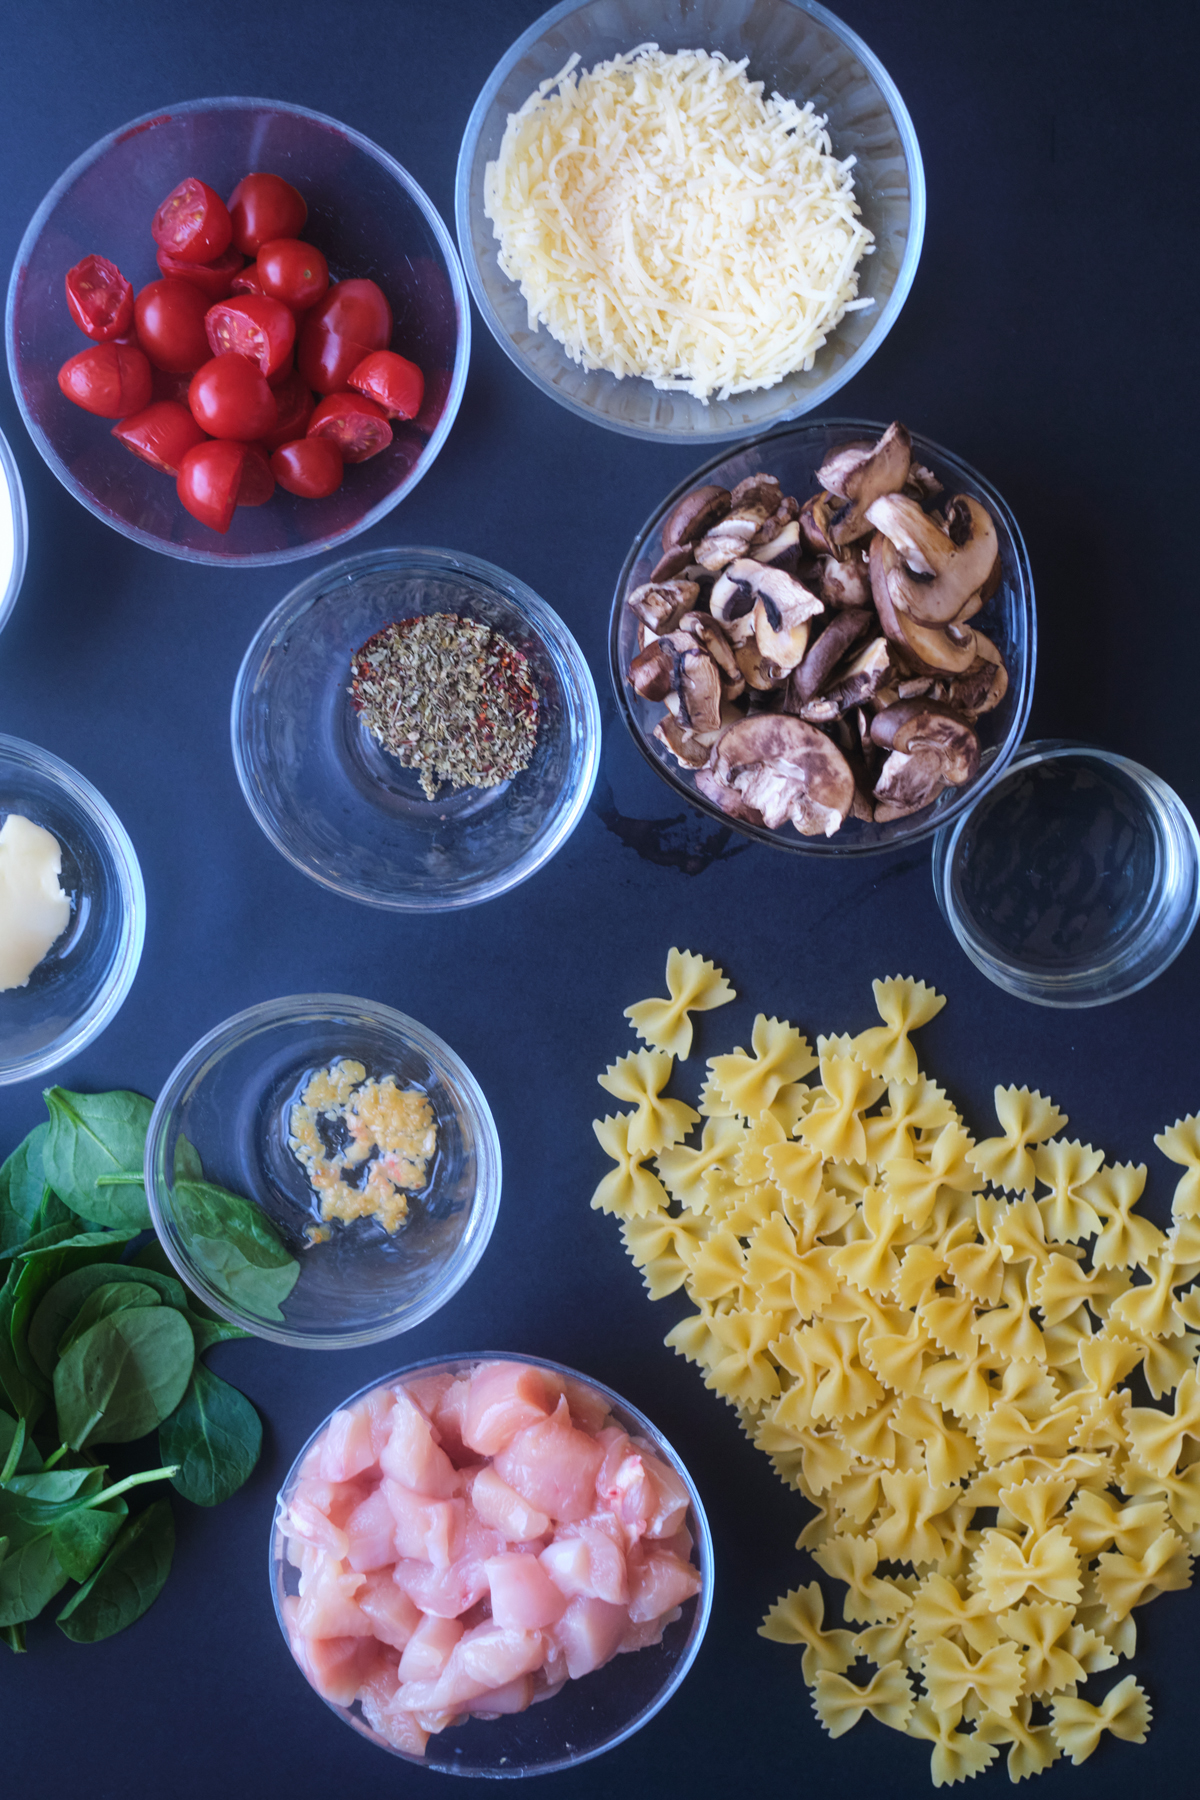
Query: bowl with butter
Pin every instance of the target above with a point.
(366, 1157)
(72, 911)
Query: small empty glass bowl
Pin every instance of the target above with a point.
(14, 530)
(81, 982)
(344, 810)
(1074, 880)
(231, 1098)
(795, 47)
(588, 1715)
(365, 213)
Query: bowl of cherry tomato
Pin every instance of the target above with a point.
(238, 331)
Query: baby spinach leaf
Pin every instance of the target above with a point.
(82, 1538)
(24, 1397)
(30, 1576)
(113, 1297)
(214, 1435)
(13, 1636)
(93, 1135)
(14, 1431)
(21, 1185)
(208, 1332)
(236, 1246)
(37, 1271)
(122, 1378)
(61, 1304)
(127, 1581)
(188, 1166)
(57, 1485)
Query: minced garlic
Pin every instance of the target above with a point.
(391, 1135)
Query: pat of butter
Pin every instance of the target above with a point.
(34, 911)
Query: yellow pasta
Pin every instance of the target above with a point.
(693, 985)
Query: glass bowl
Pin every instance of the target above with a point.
(340, 807)
(1075, 880)
(14, 531)
(80, 984)
(1008, 619)
(231, 1099)
(587, 1716)
(795, 47)
(364, 211)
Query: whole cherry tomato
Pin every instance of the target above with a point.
(192, 222)
(263, 207)
(292, 271)
(169, 315)
(353, 319)
(110, 380)
(214, 279)
(257, 482)
(252, 325)
(99, 299)
(161, 434)
(208, 481)
(391, 381)
(357, 426)
(295, 403)
(229, 398)
(310, 467)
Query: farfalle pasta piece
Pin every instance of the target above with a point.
(1124, 1238)
(827, 1356)
(663, 1248)
(957, 1755)
(1027, 1118)
(683, 1170)
(750, 1083)
(798, 1619)
(995, 1676)
(904, 1005)
(870, 1262)
(869, 1599)
(784, 1277)
(1006, 1569)
(640, 1077)
(907, 1532)
(1148, 1308)
(1031, 1747)
(1124, 1582)
(1158, 1438)
(833, 1125)
(1180, 1491)
(1044, 1629)
(693, 985)
(950, 1454)
(1063, 1166)
(939, 1610)
(1077, 1725)
(1096, 1523)
(718, 1269)
(630, 1191)
(840, 1705)
(898, 1358)
(743, 1372)
(692, 1339)
(1181, 1143)
(912, 1106)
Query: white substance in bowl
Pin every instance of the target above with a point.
(34, 911)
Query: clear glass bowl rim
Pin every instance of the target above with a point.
(1071, 990)
(237, 1030)
(704, 1543)
(462, 353)
(580, 695)
(10, 473)
(888, 313)
(1021, 688)
(131, 893)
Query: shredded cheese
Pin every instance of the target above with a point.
(665, 220)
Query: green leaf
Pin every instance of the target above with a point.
(30, 1575)
(28, 1458)
(235, 1245)
(128, 1580)
(61, 1304)
(208, 1332)
(53, 1486)
(21, 1185)
(214, 1435)
(93, 1135)
(113, 1297)
(123, 1377)
(36, 1273)
(188, 1166)
(13, 1636)
(83, 1538)
(42, 1240)
(24, 1397)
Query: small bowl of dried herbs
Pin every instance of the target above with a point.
(415, 729)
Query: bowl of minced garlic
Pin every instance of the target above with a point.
(385, 1139)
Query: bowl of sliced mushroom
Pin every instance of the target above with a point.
(828, 639)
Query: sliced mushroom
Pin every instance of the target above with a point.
(727, 798)
(930, 650)
(730, 538)
(688, 747)
(907, 783)
(860, 474)
(845, 736)
(711, 636)
(815, 524)
(695, 514)
(758, 671)
(826, 652)
(786, 769)
(845, 583)
(858, 681)
(938, 571)
(785, 544)
(652, 672)
(671, 563)
(732, 599)
(757, 490)
(660, 604)
(698, 684)
(984, 684)
(922, 483)
(939, 747)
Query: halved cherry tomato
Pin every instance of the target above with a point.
(357, 426)
(229, 398)
(161, 434)
(99, 299)
(208, 481)
(263, 207)
(247, 282)
(171, 387)
(169, 315)
(295, 403)
(257, 483)
(252, 325)
(214, 279)
(109, 380)
(353, 319)
(292, 271)
(310, 467)
(192, 222)
(391, 381)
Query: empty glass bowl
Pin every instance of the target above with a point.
(366, 214)
(231, 1099)
(345, 811)
(795, 47)
(14, 531)
(588, 1715)
(80, 984)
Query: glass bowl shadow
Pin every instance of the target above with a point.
(14, 531)
(346, 812)
(1075, 880)
(795, 47)
(365, 212)
(230, 1097)
(1008, 619)
(83, 979)
(589, 1715)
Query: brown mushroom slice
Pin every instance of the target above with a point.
(671, 563)
(858, 681)
(730, 538)
(711, 635)
(698, 684)
(731, 601)
(984, 684)
(695, 514)
(937, 574)
(859, 475)
(950, 651)
(757, 490)
(786, 769)
(660, 604)
(823, 656)
(785, 541)
(758, 671)
(907, 783)
(845, 583)
(727, 798)
(940, 747)
(651, 674)
(814, 521)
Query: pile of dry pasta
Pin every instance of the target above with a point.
(947, 1346)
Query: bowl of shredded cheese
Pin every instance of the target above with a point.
(689, 221)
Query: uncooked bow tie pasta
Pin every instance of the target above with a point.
(949, 1348)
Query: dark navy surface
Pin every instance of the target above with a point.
(1049, 340)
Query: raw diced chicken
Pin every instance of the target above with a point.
(513, 1697)
(588, 1633)
(318, 1510)
(647, 1634)
(671, 1497)
(504, 1398)
(553, 1466)
(392, 1615)
(658, 1583)
(502, 1507)
(355, 1436)
(589, 1410)
(488, 1658)
(327, 1606)
(524, 1598)
(428, 1649)
(585, 1560)
(432, 1530)
(428, 1391)
(371, 1533)
(411, 1457)
(445, 1593)
(336, 1667)
(449, 1419)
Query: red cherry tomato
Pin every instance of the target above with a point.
(208, 481)
(169, 315)
(286, 369)
(357, 426)
(192, 222)
(257, 483)
(252, 325)
(353, 319)
(292, 271)
(110, 380)
(263, 207)
(247, 282)
(229, 398)
(214, 279)
(310, 467)
(391, 381)
(99, 299)
(161, 434)
(295, 407)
